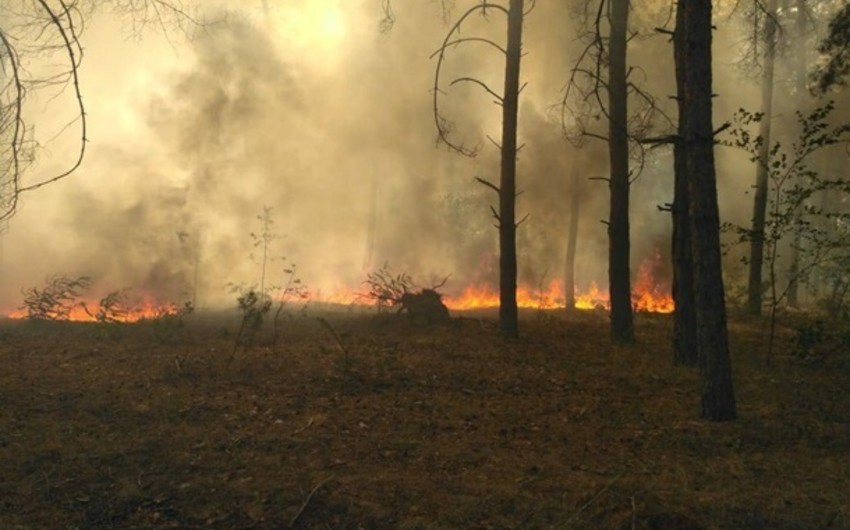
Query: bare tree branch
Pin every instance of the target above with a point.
(37, 29)
(480, 83)
(444, 126)
(75, 56)
(489, 185)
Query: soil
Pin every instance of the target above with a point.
(389, 424)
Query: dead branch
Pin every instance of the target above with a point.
(489, 185)
(583, 95)
(480, 83)
(17, 139)
(444, 126)
(471, 39)
(44, 28)
(495, 215)
(74, 50)
(441, 284)
(524, 218)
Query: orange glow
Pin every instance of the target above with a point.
(648, 295)
(594, 298)
(88, 311)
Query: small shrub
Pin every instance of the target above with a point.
(254, 306)
(386, 288)
(57, 299)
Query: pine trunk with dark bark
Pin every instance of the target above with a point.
(684, 316)
(619, 274)
(508, 318)
(694, 58)
(754, 285)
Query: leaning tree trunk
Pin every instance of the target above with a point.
(754, 286)
(572, 242)
(684, 317)
(619, 281)
(507, 184)
(694, 58)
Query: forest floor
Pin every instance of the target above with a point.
(393, 425)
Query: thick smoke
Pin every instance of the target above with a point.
(191, 143)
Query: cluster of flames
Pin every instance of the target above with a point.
(648, 295)
(145, 309)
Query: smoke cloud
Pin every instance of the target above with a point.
(327, 121)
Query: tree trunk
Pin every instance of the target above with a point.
(572, 240)
(754, 287)
(619, 280)
(802, 93)
(684, 317)
(694, 57)
(507, 185)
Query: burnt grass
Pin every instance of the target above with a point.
(396, 425)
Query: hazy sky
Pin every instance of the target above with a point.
(315, 113)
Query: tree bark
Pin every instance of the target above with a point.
(508, 318)
(619, 275)
(694, 57)
(572, 241)
(754, 286)
(684, 316)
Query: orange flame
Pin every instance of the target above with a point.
(648, 295)
(87, 311)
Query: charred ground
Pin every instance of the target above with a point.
(389, 424)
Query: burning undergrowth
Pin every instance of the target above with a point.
(71, 298)
(424, 305)
(64, 298)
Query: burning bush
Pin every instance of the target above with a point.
(57, 300)
(397, 290)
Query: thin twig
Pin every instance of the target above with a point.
(307, 501)
(594, 498)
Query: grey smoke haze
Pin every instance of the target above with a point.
(339, 140)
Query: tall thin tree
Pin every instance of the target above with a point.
(506, 189)
(756, 264)
(685, 351)
(619, 247)
(508, 317)
(801, 20)
(599, 84)
(693, 57)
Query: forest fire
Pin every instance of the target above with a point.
(646, 297)
(62, 298)
(96, 311)
(648, 294)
